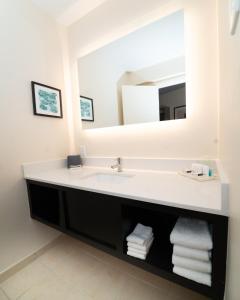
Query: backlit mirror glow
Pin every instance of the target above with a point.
(138, 78)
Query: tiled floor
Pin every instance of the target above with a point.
(72, 270)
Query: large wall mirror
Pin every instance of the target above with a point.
(138, 78)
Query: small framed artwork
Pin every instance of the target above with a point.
(47, 100)
(86, 105)
(180, 112)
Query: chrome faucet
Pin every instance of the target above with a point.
(118, 165)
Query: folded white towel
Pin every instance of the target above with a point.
(144, 248)
(192, 233)
(137, 251)
(193, 275)
(192, 264)
(140, 249)
(202, 255)
(136, 254)
(140, 235)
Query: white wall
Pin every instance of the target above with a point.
(230, 138)
(30, 50)
(194, 137)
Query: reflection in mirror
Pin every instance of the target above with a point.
(138, 78)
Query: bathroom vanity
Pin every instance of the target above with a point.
(101, 207)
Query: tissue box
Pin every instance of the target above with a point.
(74, 161)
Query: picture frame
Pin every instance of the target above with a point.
(47, 100)
(86, 109)
(180, 112)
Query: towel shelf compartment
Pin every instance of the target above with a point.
(160, 254)
(104, 221)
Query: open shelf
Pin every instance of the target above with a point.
(159, 258)
(45, 205)
(163, 269)
(160, 254)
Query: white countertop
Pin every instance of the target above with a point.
(160, 187)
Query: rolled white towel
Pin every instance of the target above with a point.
(192, 264)
(136, 254)
(192, 233)
(187, 252)
(193, 275)
(140, 249)
(140, 235)
(144, 248)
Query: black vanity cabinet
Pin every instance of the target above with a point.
(104, 221)
(94, 216)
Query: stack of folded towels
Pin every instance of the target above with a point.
(192, 250)
(140, 241)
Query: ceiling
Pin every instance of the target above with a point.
(68, 11)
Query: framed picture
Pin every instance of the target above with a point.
(180, 112)
(86, 105)
(47, 100)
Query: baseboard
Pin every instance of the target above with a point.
(26, 260)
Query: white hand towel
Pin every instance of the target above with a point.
(140, 249)
(137, 251)
(202, 255)
(192, 233)
(193, 275)
(140, 234)
(135, 254)
(144, 248)
(192, 264)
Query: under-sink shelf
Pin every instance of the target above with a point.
(159, 256)
(44, 204)
(159, 262)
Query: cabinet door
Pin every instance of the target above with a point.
(93, 215)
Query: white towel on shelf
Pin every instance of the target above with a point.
(140, 235)
(192, 233)
(192, 264)
(138, 249)
(193, 275)
(136, 254)
(144, 248)
(202, 255)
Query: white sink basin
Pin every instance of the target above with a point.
(115, 178)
